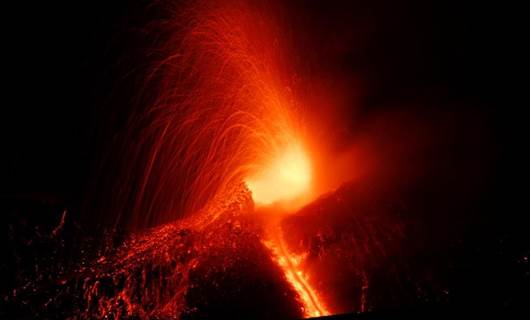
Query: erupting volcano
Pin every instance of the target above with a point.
(225, 129)
(264, 160)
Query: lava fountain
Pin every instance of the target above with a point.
(220, 123)
(218, 108)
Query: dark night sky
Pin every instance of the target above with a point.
(72, 66)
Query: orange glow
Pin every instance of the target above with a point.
(291, 265)
(287, 177)
(229, 120)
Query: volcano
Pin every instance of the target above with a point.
(355, 249)
(260, 160)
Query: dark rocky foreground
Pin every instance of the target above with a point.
(372, 251)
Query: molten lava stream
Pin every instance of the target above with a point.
(277, 188)
(290, 264)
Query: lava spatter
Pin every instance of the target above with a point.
(192, 269)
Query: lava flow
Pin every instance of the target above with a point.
(285, 179)
(294, 273)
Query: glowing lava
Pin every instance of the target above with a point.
(294, 273)
(286, 178)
